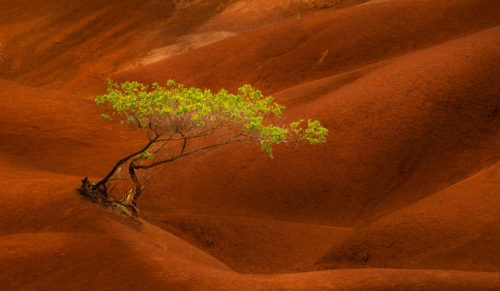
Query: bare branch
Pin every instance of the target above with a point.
(136, 119)
(197, 135)
(183, 154)
(184, 143)
(122, 161)
(161, 147)
(165, 141)
(150, 138)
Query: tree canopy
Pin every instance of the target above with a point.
(177, 113)
(194, 112)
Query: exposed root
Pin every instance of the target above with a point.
(100, 195)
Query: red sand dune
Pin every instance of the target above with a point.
(333, 42)
(404, 195)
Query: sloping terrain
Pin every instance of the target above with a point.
(75, 44)
(404, 195)
(390, 147)
(333, 42)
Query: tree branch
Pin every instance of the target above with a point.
(198, 135)
(184, 143)
(120, 162)
(183, 154)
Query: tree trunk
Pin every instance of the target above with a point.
(92, 191)
(138, 187)
(122, 161)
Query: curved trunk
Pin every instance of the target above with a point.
(103, 182)
(138, 187)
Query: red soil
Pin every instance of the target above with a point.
(404, 195)
(333, 42)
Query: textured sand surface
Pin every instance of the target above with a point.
(405, 195)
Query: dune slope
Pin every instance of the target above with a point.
(403, 196)
(293, 52)
(398, 134)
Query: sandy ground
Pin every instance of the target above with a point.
(405, 195)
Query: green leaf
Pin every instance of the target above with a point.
(105, 116)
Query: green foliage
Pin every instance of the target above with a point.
(105, 116)
(145, 155)
(178, 114)
(192, 112)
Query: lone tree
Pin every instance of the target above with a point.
(197, 120)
